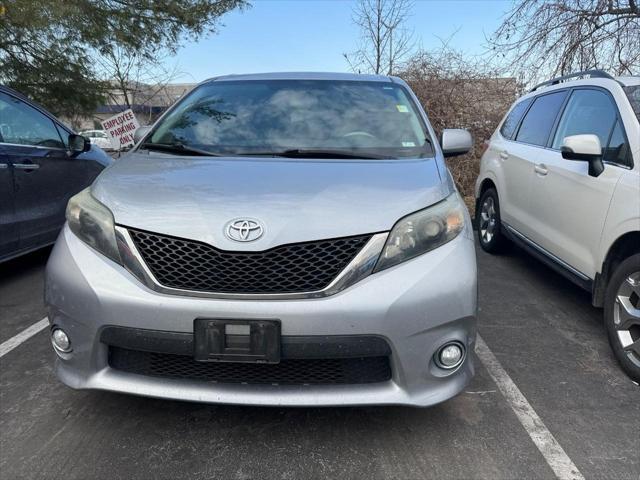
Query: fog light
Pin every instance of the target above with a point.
(450, 355)
(60, 341)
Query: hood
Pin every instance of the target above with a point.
(295, 199)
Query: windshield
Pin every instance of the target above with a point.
(633, 94)
(264, 117)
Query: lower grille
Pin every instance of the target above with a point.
(288, 372)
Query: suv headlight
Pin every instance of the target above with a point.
(423, 231)
(93, 223)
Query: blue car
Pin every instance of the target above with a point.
(42, 164)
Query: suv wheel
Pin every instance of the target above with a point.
(488, 220)
(622, 315)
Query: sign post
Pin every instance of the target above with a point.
(121, 128)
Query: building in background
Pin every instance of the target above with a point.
(148, 102)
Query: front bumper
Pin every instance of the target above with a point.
(416, 307)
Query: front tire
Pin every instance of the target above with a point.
(490, 233)
(622, 315)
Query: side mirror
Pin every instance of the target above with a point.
(584, 148)
(456, 141)
(78, 144)
(141, 133)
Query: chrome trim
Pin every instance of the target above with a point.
(53, 344)
(436, 356)
(244, 227)
(26, 166)
(531, 243)
(360, 267)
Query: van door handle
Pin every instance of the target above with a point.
(504, 155)
(541, 169)
(26, 166)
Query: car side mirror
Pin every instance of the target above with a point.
(78, 144)
(455, 141)
(584, 148)
(141, 133)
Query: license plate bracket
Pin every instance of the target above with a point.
(231, 340)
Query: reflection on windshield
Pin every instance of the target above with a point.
(204, 109)
(272, 116)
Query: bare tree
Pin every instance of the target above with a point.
(135, 79)
(384, 39)
(545, 38)
(461, 91)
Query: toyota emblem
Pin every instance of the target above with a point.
(244, 230)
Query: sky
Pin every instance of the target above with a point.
(312, 35)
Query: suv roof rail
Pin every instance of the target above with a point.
(574, 76)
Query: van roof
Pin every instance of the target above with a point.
(305, 76)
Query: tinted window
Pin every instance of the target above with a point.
(64, 135)
(618, 150)
(22, 124)
(275, 115)
(633, 94)
(538, 121)
(587, 111)
(511, 122)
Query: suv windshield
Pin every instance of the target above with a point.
(327, 118)
(633, 94)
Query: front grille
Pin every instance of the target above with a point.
(287, 372)
(298, 267)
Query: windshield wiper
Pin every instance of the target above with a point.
(178, 148)
(316, 153)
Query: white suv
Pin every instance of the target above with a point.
(561, 178)
(99, 138)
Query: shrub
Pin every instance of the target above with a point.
(461, 92)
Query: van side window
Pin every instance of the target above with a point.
(511, 122)
(618, 150)
(539, 120)
(587, 112)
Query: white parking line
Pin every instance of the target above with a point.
(23, 336)
(549, 447)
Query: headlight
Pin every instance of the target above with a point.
(93, 223)
(423, 231)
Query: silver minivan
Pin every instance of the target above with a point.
(274, 239)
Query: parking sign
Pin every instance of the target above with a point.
(121, 128)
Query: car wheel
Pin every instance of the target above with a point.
(490, 234)
(622, 315)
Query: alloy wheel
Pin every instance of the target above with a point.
(626, 317)
(488, 220)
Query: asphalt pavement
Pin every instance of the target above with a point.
(540, 329)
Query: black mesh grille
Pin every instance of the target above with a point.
(298, 267)
(287, 372)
